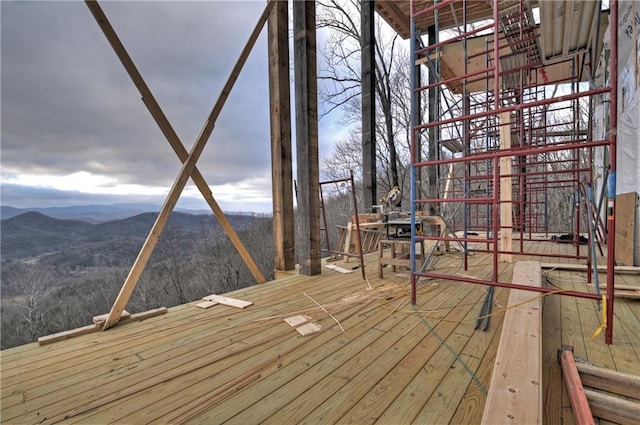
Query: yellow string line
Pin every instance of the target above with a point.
(584, 281)
(501, 310)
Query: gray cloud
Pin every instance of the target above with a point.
(68, 105)
(21, 196)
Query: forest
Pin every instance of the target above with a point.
(57, 274)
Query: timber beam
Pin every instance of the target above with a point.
(306, 100)
(515, 391)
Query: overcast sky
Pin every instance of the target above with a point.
(74, 129)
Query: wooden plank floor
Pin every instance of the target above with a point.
(379, 361)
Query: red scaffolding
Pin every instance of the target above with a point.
(510, 139)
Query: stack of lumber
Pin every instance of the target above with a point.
(612, 396)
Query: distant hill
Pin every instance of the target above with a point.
(91, 213)
(78, 243)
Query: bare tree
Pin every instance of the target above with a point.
(34, 284)
(173, 264)
(341, 79)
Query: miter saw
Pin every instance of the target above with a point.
(393, 198)
(397, 222)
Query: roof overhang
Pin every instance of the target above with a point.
(567, 28)
(397, 14)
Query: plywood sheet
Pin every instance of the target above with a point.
(626, 205)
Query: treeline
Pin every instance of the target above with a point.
(44, 297)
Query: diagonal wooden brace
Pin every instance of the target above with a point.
(189, 160)
(166, 128)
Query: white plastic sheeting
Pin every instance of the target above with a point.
(628, 157)
(628, 132)
(628, 164)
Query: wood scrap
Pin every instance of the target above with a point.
(337, 268)
(97, 326)
(102, 317)
(43, 340)
(206, 304)
(145, 315)
(303, 324)
(297, 320)
(308, 329)
(232, 302)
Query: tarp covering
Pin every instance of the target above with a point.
(628, 157)
(628, 132)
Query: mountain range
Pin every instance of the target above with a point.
(92, 213)
(78, 243)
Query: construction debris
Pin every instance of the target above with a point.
(98, 326)
(597, 392)
(219, 299)
(101, 318)
(338, 268)
(303, 324)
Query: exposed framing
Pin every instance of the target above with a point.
(513, 86)
(188, 159)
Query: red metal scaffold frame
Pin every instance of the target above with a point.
(552, 152)
(354, 202)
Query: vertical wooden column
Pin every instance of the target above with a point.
(367, 58)
(306, 100)
(433, 99)
(506, 206)
(280, 111)
(417, 110)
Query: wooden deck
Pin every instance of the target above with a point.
(376, 359)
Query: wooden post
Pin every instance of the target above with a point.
(367, 63)
(449, 181)
(347, 241)
(506, 207)
(434, 132)
(281, 170)
(178, 185)
(306, 92)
